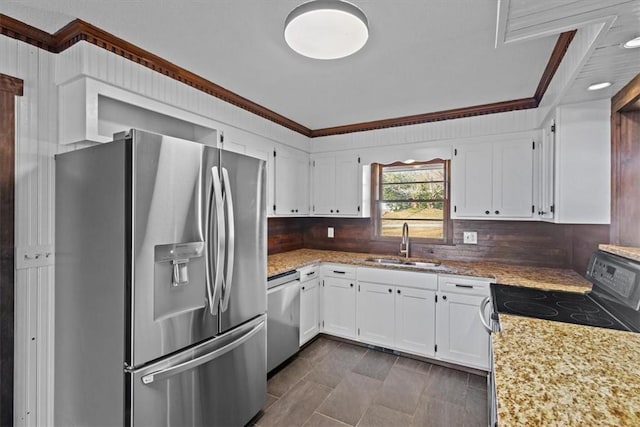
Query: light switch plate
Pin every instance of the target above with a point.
(470, 237)
(330, 232)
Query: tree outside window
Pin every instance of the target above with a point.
(415, 193)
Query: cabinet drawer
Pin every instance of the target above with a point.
(411, 279)
(464, 285)
(309, 272)
(339, 270)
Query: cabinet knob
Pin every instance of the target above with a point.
(351, 284)
(303, 288)
(486, 212)
(398, 290)
(296, 210)
(390, 291)
(337, 210)
(497, 212)
(444, 297)
(293, 210)
(331, 210)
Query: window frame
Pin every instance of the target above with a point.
(376, 198)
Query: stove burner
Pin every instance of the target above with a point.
(531, 309)
(523, 293)
(591, 319)
(578, 307)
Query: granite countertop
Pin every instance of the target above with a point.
(507, 274)
(553, 373)
(623, 251)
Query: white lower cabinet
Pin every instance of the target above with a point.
(376, 309)
(415, 321)
(460, 336)
(396, 309)
(309, 308)
(339, 302)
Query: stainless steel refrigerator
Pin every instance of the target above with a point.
(160, 295)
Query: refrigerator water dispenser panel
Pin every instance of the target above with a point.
(179, 279)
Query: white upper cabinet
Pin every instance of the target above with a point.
(493, 180)
(336, 185)
(544, 174)
(291, 172)
(583, 163)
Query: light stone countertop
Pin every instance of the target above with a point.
(506, 274)
(560, 374)
(623, 251)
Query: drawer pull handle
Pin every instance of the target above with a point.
(311, 273)
(464, 286)
(339, 272)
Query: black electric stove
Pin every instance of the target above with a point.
(613, 303)
(565, 307)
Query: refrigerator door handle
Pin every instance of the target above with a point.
(230, 241)
(190, 364)
(221, 237)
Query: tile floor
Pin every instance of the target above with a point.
(331, 383)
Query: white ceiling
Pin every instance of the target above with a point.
(422, 56)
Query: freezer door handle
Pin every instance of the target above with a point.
(231, 240)
(220, 238)
(190, 364)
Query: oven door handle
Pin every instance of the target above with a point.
(483, 306)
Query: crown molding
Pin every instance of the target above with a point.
(78, 30)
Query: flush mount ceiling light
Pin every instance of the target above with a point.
(632, 44)
(598, 86)
(326, 29)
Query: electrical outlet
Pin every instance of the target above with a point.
(470, 237)
(330, 232)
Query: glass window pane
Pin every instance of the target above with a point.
(413, 191)
(421, 229)
(412, 210)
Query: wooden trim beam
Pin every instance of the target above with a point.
(10, 87)
(562, 44)
(78, 30)
(627, 96)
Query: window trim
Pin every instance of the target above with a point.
(376, 196)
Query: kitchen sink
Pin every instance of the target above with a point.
(406, 263)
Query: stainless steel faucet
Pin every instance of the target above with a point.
(404, 243)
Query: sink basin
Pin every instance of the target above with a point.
(416, 264)
(385, 261)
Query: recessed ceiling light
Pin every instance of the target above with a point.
(326, 29)
(598, 86)
(632, 44)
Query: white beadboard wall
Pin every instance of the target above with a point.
(86, 59)
(36, 143)
(427, 134)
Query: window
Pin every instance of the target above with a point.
(416, 193)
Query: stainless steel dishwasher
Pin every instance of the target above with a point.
(283, 317)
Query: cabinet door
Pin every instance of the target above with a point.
(285, 166)
(547, 174)
(291, 182)
(309, 306)
(376, 313)
(460, 336)
(324, 182)
(472, 184)
(347, 185)
(339, 313)
(513, 179)
(302, 185)
(415, 321)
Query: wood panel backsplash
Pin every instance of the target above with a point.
(529, 243)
